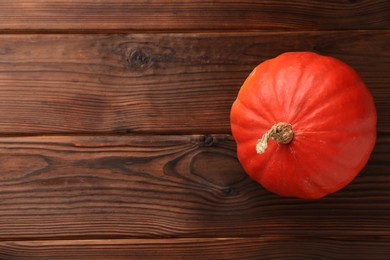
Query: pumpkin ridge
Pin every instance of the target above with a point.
(261, 175)
(274, 66)
(293, 107)
(255, 172)
(324, 156)
(255, 89)
(321, 191)
(315, 165)
(316, 106)
(295, 180)
(306, 171)
(244, 132)
(288, 96)
(346, 119)
(255, 113)
(292, 111)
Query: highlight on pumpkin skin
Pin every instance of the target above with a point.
(281, 132)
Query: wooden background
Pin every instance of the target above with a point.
(115, 139)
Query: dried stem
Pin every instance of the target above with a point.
(281, 132)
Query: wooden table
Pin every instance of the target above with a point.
(115, 140)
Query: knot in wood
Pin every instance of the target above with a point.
(138, 59)
(208, 140)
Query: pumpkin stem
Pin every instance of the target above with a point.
(281, 132)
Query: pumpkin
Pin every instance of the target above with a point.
(304, 124)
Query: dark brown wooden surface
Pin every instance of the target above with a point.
(168, 186)
(193, 15)
(158, 83)
(114, 130)
(296, 248)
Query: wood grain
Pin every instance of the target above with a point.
(158, 83)
(94, 187)
(200, 248)
(193, 15)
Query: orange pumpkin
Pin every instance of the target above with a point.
(305, 124)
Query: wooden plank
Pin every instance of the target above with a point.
(158, 83)
(86, 187)
(200, 248)
(193, 15)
